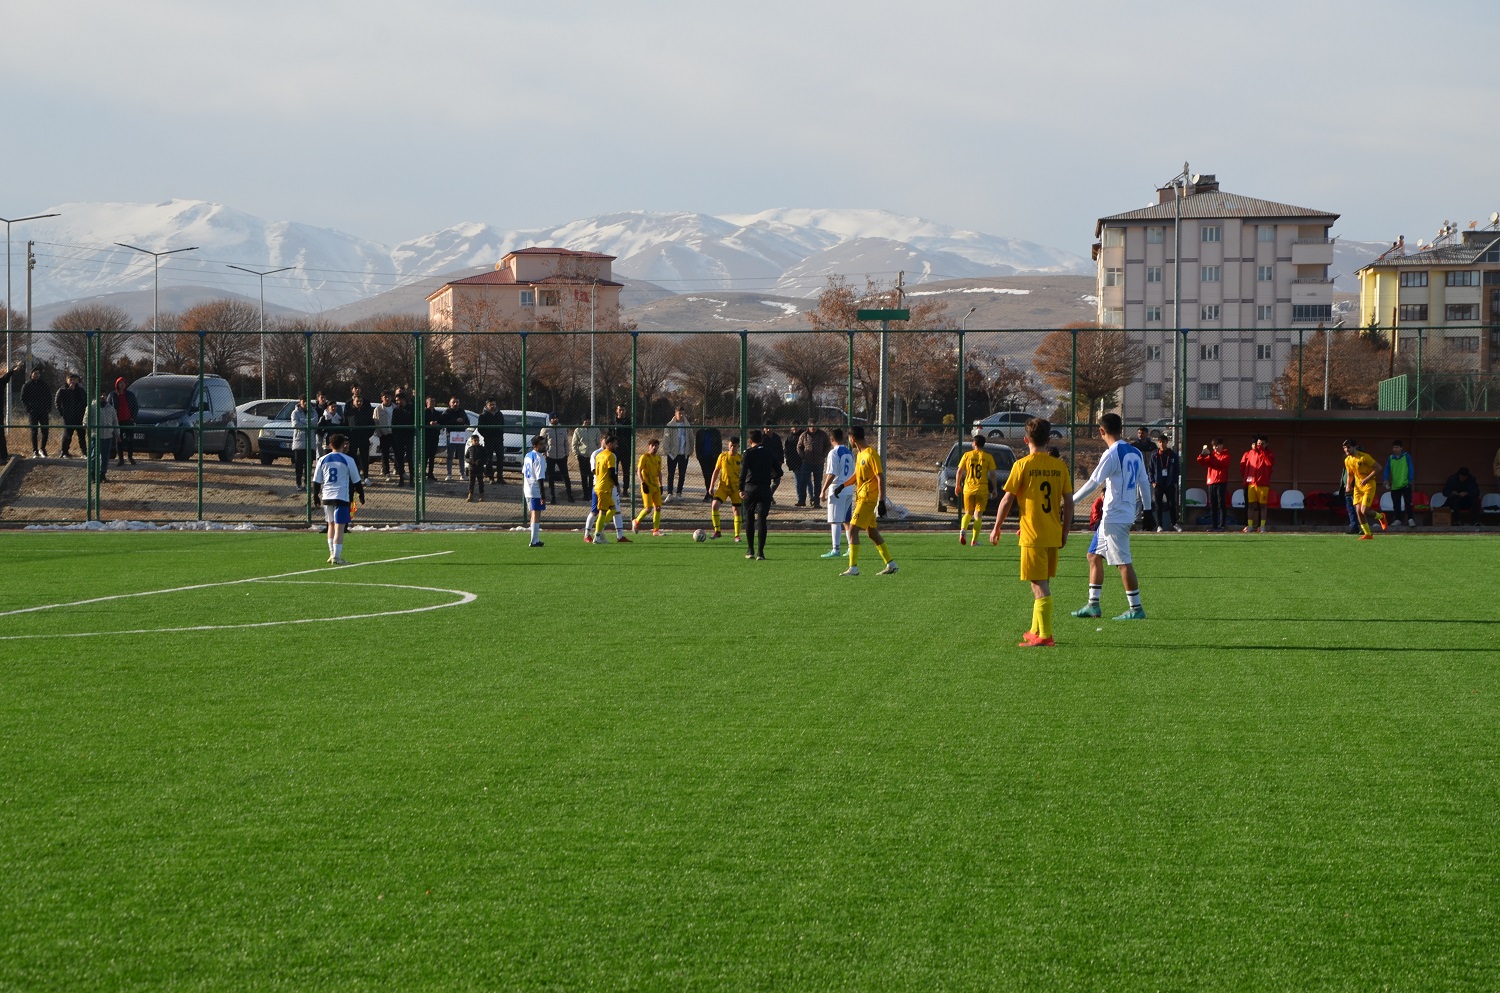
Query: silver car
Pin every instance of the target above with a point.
(948, 472)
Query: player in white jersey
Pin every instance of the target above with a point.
(838, 474)
(533, 475)
(1122, 473)
(336, 481)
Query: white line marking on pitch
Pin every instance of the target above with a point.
(230, 582)
(463, 596)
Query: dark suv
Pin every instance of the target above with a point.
(168, 416)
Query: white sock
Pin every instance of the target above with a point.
(536, 531)
(835, 530)
(1133, 597)
(338, 550)
(588, 523)
(1094, 592)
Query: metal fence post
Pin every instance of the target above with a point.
(202, 338)
(419, 429)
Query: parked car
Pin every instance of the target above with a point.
(947, 472)
(250, 417)
(517, 443)
(171, 411)
(1009, 425)
(274, 441)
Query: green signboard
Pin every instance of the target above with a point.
(884, 315)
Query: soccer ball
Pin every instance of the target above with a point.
(700, 535)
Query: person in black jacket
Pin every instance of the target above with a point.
(760, 472)
(1163, 466)
(403, 437)
(36, 397)
(709, 445)
(492, 428)
(359, 418)
(4, 379)
(72, 405)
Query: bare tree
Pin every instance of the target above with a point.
(811, 362)
(710, 368)
(116, 334)
(1357, 362)
(302, 340)
(654, 367)
(226, 328)
(1107, 362)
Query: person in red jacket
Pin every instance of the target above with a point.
(1216, 461)
(1255, 467)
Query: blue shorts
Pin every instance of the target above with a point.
(336, 512)
(536, 503)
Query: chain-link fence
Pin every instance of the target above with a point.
(227, 427)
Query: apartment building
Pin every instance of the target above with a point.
(1451, 286)
(1253, 272)
(530, 288)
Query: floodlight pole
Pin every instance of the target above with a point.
(9, 302)
(156, 258)
(262, 276)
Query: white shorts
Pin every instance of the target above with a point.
(336, 512)
(1113, 542)
(841, 507)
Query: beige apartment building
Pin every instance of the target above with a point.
(1253, 273)
(531, 288)
(1451, 286)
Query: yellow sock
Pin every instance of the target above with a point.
(885, 556)
(963, 522)
(1044, 612)
(641, 517)
(1365, 528)
(713, 515)
(853, 555)
(656, 519)
(977, 523)
(736, 525)
(1036, 617)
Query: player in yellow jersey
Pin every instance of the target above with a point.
(1363, 472)
(972, 484)
(606, 484)
(724, 485)
(869, 494)
(648, 471)
(1040, 486)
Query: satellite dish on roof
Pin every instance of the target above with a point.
(1196, 177)
(1495, 217)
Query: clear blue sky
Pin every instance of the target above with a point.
(389, 120)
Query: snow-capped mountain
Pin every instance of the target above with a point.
(789, 252)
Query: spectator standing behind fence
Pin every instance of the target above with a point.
(1398, 476)
(708, 444)
(1215, 461)
(301, 419)
(585, 440)
(403, 437)
(456, 427)
(474, 460)
(556, 455)
(382, 414)
(4, 380)
(491, 423)
(813, 447)
(72, 402)
(1164, 466)
(1461, 492)
(625, 447)
(431, 429)
(1147, 448)
(100, 418)
(676, 446)
(126, 406)
(361, 423)
(36, 397)
(1255, 467)
(793, 460)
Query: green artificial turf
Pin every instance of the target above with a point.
(662, 767)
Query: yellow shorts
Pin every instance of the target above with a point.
(974, 502)
(1364, 497)
(726, 495)
(604, 500)
(1038, 564)
(651, 496)
(864, 515)
(1257, 494)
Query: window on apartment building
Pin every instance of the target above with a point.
(1155, 235)
(1266, 232)
(1153, 274)
(1462, 277)
(1113, 317)
(1210, 273)
(1212, 232)
(1153, 315)
(1208, 353)
(1461, 312)
(1153, 352)
(528, 298)
(1265, 351)
(1153, 391)
(1262, 391)
(1114, 237)
(1310, 313)
(1413, 312)
(1265, 312)
(1265, 273)
(1209, 312)
(1466, 344)
(1492, 276)
(1114, 277)
(551, 298)
(1414, 279)
(1209, 391)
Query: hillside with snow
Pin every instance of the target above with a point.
(785, 252)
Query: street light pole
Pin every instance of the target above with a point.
(155, 288)
(9, 302)
(262, 276)
(1327, 356)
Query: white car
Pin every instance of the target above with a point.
(1008, 425)
(250, 418)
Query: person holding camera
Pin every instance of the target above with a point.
(1215, 461)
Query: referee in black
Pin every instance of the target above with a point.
(760, 473)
